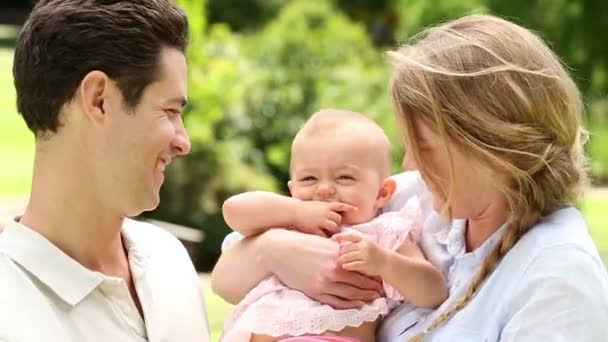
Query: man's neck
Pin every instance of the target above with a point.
(65, 208)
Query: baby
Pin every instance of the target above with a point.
(340, 168)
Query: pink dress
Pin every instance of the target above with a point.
(271, 308)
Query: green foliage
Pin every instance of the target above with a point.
(574, 28)
(598, 141)
(258, 69)
(249, 93)
(243, 15)
(415, 15)
(196, 186)
(312, 57)
(16, 140)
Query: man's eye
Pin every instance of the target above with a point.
(172, 112)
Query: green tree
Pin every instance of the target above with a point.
(196, 186)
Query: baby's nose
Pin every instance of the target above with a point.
(325, 191)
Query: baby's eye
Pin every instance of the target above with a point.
(345, 177)
(308, 179)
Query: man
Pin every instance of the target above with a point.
(101, 84)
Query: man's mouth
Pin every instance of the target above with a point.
(162, 163)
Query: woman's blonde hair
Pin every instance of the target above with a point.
(496, 91)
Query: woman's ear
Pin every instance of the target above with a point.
(386, 192)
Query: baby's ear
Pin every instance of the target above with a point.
(289, 185)
(386, 192)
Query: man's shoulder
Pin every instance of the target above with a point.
(16, 290)
(26, 312)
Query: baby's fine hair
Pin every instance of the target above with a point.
(349, 123)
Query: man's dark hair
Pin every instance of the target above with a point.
(63, 40)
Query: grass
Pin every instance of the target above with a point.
(217, 312)
(594, 207)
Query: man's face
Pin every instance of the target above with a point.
(138, 146)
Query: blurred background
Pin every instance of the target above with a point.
(258, 68)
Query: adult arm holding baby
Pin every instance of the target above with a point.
(253, 213)
(302, 261)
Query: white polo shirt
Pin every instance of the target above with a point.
(47, 296)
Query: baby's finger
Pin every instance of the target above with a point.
(338, 206)
(347, 236)
(335, 217)
(330, 226)
(316, 231)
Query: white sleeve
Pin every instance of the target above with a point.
(564, 298)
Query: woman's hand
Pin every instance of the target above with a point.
(308, 263)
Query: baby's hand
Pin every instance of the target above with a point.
(320, 218)
(358, 253)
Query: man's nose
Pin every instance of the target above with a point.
(181, 142)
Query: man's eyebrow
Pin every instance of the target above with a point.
(180, 101)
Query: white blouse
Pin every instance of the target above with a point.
(551, 286)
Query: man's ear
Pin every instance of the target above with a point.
(92, 93)
(386, 192)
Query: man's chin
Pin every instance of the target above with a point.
(148, 205)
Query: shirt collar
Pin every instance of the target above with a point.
(490, 244)
(71, 281)
(454, 240)
(137, 252)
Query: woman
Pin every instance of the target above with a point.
(492, 122)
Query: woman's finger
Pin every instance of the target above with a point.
(359, 281)
(350, 292)
(356, 265)
(339, 303)
(348, 248)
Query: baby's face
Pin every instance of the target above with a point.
(337, 169)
